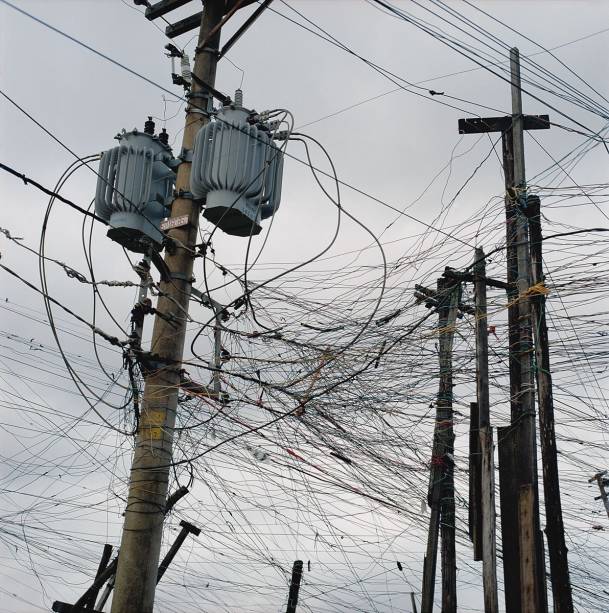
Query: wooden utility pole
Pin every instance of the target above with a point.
(294, 587)
(431, 556)
(555, 530)
(523, 282)
(528, 558)
(475, 482)
(487, 473)
(414, 602)
(517, 444)
(452, 295)
(441, 496)
(526, 418)
(142, 530)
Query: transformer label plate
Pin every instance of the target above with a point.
(174, 222)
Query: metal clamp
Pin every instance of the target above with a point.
(185, 194)
(199, 94)
(185, 155)
(180, 276)
(207, 49)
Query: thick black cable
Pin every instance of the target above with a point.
(48, 192)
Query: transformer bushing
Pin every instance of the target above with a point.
(237, 168)
(134, 189)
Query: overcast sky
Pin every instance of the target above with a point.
(401, 148)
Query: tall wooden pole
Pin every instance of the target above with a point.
(555, 530)
(516, 444)
(145, 511)
(508, 477)
(510, 474)
(487, 477)
(449, 294)
(523, 281)
(507, 143)
(511, 450)
(442, 496)
(526, 418)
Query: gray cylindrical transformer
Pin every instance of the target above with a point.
(134, 189)
(237, 168)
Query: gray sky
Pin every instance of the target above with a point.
(63, 472)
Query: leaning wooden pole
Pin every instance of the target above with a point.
(294, 586)
(555, 530)
(431, 555)
(487, 477)
(441, 496)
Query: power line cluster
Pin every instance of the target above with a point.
(331, 369)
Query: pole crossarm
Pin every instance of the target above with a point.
(158, 9)
(228, 7)
(183, 25)
(163, 7)
(469, 277)
(481, 125)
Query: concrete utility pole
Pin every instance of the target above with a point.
(555, 530)
(487, 473)
(441, 496)
(142, 531)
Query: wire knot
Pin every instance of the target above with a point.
(539, 289)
